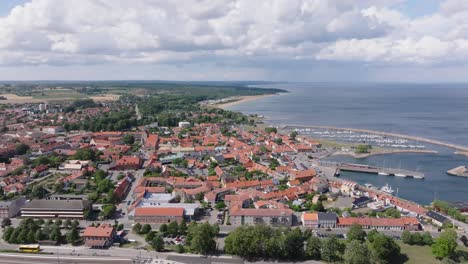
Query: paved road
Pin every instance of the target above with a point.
(40, 259)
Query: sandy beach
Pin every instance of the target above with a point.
(241, 99)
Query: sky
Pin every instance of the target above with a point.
(225, 40)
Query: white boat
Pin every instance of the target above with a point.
(400, 175)
(368, 185)
(387, 189)
(383, 173)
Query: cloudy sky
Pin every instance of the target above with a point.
(292, 40)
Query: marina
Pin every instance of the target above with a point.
(363, 168)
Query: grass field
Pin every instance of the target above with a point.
(423, 254)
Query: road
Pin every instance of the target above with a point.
(47, 259)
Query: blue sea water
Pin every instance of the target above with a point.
(435, 111)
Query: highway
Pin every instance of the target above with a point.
(50, 259)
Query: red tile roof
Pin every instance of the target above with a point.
(159, 211)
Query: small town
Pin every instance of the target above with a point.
(106, 179)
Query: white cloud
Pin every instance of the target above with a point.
(237, 32)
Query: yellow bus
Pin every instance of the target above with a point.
(29, 248)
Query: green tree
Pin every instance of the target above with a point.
(85, 154)
(128, 139)
(444, 246)
(67, 223)
(108, 211)
(356, 253)
(7, 233)
(55, 235)
(30, 237)
(158, 243)
(313, 248)
(371, 235)
(72, 236)
(331, 249)
(183, 227)
(202, 238)
(427, 238)
(355, 232)
(21, 149)
(180, 249)
(23, 235)
(406, 237)
(384, 248)
(38, 235)
(75, 224)
(137, 228)
(293, 244)
(271, 130)
(220, 205)
(145, 229)
(150, 236)
(163, 228)
(173, 228)
(293, 135)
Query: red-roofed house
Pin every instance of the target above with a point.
(158, 214)
(128, 163)
(99, 237)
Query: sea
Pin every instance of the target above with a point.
(434, 111)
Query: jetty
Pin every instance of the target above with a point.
(363, 168)
(387, 134)
(461, 171)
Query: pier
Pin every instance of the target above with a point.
(387, 134)
(363, 168)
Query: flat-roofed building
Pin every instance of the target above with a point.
(10, 209)
(158, 214)
(73, 209)
(273, 217)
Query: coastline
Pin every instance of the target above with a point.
(240, 99)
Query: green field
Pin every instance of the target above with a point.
(422, 254)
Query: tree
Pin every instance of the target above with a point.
(356, 233)
(150, 236)
(183, 227)
(6, 222)
(163, 228)
(158, 243)
(384, 248)
(356, 253)
(108, 211)
(128, 139)
(21, 149)
(180, 249)
(271, 130)
(146, 229)
(55, 235)
(293, 244)
(173, 228)
(120, 227)
(75, 224)
(67, 223)
(137, 228)
(293, 135)
(23, 235)
(427, 239)
(85, 154)
(331, 249)
(38, 235)
(30, 238)
(7, 233)
(445, 245)
(200, 237)
(220, 205)
(313, 248)
(371, 235)
(72, 236)
(406, 237)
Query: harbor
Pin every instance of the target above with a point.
(363, 168)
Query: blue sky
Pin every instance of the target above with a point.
(292, 40)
